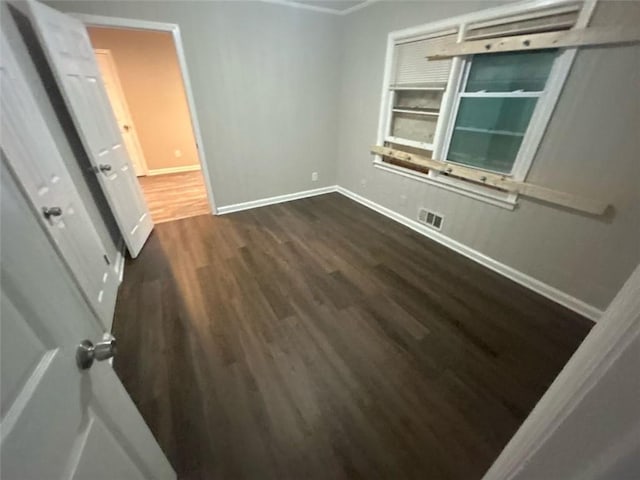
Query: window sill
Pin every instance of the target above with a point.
(499, 199)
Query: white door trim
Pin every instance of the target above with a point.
(607, 341)
(115, 22)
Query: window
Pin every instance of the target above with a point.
(487, 111)
(495, 106)
(416, 91)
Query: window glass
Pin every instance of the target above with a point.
(510, 71)
(413, 126)
(488, 131)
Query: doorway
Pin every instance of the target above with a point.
(144, 82)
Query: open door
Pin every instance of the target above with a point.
(33, 156)
(68, 49)
(58, 421)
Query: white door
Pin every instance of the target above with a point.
(120, 108)
(32, 155)
(68, 50)
(57, 421)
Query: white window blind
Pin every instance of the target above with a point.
(550, 19)
(411, 67)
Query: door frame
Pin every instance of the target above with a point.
(140, 159)
(174, 29)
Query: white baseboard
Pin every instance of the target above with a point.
(165, 171)
(517, 276)
(263, 202)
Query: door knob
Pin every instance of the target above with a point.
(126, 128)
(104, 167)
(87, 352)
(49, 212)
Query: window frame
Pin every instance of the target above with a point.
(521, 163)
(460, 66)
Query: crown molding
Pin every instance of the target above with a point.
(313, 8)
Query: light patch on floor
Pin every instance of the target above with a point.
(174, 196)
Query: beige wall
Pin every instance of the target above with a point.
(150, 75)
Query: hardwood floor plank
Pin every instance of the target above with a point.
(319, 339)
(174, 196)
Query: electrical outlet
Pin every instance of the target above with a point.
(177, 153)
(403, 200)
(314, 177)
(363, 182)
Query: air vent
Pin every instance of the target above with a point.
(429, 218)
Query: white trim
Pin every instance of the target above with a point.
(165, 171)
(115, 22)
(360, 6)
(500, 94)
(119, 263)
(618, 327)
(263, 202)
(511, 273)
(409, 143)
(315, 8)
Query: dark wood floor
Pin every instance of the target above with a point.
(318, 339)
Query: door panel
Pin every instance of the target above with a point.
(56, 417)
(34, 158)
(99, 447)
(20, 344)
(120, 108)
(66, 44)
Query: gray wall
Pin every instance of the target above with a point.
(591, 148)
(265, 82)
(62, 130)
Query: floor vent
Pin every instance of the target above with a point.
(429, 218)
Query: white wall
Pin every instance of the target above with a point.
(265, 81)
(591, 148)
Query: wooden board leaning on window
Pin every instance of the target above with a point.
(580, 37)
(594, 207)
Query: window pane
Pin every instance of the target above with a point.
(510, 71)
(413, 126)
(418, 99)
(488, 131)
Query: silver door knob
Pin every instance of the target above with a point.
(87, 352)
(49, 212)
(104, 167)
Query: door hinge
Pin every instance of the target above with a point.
(106, 259)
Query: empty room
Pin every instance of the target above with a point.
(291, 239)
